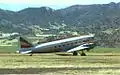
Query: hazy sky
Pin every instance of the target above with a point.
(55, 4)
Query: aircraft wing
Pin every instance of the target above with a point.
(81, 47)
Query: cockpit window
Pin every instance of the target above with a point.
(85, 40)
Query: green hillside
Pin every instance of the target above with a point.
(103, 20)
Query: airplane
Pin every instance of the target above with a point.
(73, 45)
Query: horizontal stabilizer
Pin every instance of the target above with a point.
(26, 52)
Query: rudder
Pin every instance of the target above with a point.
(24, 43)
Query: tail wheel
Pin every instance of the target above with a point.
(31, 54)
(75, 53)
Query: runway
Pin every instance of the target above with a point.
(52, 64)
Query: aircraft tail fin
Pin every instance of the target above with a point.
(24, 43)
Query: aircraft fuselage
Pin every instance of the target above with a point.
(58, 46)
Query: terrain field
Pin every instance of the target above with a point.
(100, 61)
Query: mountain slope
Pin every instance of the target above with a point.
(100, 19)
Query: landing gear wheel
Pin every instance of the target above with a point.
(31, 54)
(83, 54)
(75, 53)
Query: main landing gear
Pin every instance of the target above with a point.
(75, 53)
(82, 53)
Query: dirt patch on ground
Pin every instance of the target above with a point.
(51, 70)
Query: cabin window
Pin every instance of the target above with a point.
(68, 44)
(75, 42)
(63, 45)
(59, 45)
(71, 43)
(55, 46)
(84, 40)
(79, 41)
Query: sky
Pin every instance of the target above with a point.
(16, 5)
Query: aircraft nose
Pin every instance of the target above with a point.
(92, 45)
